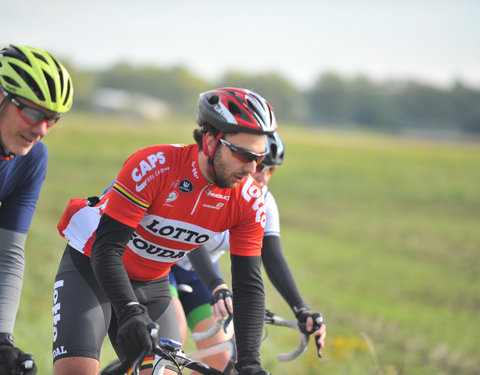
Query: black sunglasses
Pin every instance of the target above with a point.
(32, 115)
(244, 155)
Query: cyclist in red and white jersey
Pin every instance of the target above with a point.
(35, 90)
(193, 308)
(166, 201)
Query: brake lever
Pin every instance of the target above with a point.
(317, 324)
(227, 322)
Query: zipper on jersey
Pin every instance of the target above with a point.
(198, 198)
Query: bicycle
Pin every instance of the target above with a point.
(172, 356)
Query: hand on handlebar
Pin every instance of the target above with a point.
(311, 322)
(221, 302)
(13, 361)
(134, 326)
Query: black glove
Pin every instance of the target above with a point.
(13, 361)
(220, 294)
(318, 320)
(302, 317)
(253, 370)
(133, 335)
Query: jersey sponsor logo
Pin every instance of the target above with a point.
(251, 191)
(218, 206)
(60, 350)
(145, 167)
(139, 188)
(218, 196)
(194, 170)
(56, 309)
(152, 251)
(176, 230)
(172, 196)
(185, 186)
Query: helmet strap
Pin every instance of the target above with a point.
(4, 154)
(211, 154)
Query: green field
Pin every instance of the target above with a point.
(382, 234)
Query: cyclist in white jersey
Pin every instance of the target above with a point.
(193, 308)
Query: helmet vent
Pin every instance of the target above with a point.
(67, 96)
(234, 109)
(30, 81)
(40, 57)
(273, 151)
(213, 99)
(51, 86)
(60, 73)
(12, 51)
(258, 113)
(10, 81)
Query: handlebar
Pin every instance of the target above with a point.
(171, 352)
(271, 318)
(212, 331)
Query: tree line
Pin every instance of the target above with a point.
(331, 100)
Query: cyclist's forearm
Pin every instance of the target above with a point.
(204, 268)
(279, 271)
(111, 239)
(12, 264)
(249, 307)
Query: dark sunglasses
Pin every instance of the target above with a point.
(265, 168)
(32, 115)
(244, 155)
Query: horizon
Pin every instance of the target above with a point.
(436, 43)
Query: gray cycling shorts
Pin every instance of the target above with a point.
(82, 315)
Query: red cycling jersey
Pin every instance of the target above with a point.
(161, 192)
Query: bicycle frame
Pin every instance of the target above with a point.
(169, 352)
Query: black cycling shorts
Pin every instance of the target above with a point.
(82, 315)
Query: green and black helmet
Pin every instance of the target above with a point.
(36, 75)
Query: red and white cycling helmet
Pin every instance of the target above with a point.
(230, 109)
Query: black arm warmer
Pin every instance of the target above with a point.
(279, 272)
(249, 308)
(111, 239)
(204, 268)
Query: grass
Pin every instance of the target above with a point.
(381, 233)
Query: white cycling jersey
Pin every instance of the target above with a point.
(219, 244)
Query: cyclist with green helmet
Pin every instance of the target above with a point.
(35, 90)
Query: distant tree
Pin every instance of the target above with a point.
(371, 104)
(424, 106)
(83, 85)
(332, 99)
(176, 86)
(466, 107)
(329, 100)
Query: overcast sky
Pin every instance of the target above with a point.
(432, 41)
